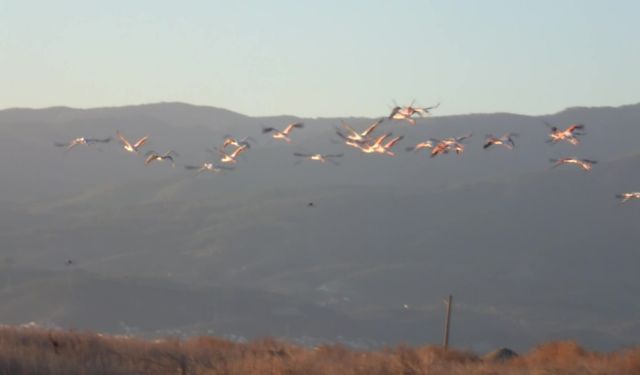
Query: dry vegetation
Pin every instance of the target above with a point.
(36, 351)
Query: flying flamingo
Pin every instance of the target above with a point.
(208, 167)
(231, 158)
(627, 196)
(277, 134)
(82, 141)
(361, 136)
(232, 141)
(406, 113)
(322, 158)
(133, 148)
(447, 144)
(570, 134)
(585, 164)
(421, 146)
(153, 156)
(505, 140)
(381, 148)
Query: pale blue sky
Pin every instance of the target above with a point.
(321, 58)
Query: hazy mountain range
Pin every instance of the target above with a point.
(530, 253)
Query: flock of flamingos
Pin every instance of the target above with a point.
(364, 141)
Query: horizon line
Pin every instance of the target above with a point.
(296, 116)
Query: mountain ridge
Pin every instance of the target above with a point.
(179, 104)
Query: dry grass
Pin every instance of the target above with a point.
(36, 351)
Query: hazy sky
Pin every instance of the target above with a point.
(321, 58)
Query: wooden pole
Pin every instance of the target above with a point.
(447, 322)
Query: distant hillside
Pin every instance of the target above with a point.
(530, 253)
(154, 307)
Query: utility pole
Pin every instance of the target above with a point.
(447, 322)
